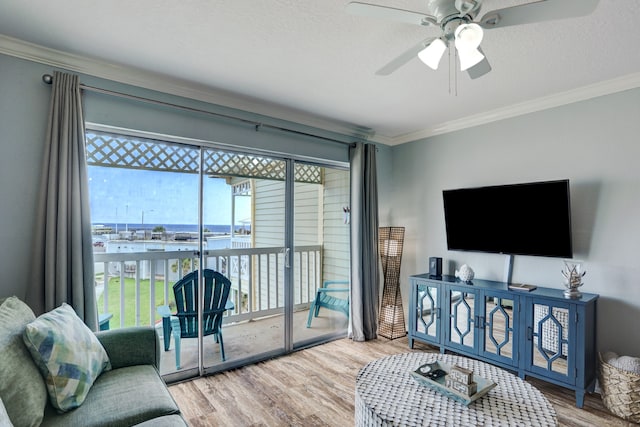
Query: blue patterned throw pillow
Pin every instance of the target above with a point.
(68, 354)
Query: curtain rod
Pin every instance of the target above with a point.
(48, 79)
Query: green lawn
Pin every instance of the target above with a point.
(130, 301)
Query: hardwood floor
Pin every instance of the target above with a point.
(315, 387)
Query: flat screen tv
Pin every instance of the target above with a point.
(518, 219)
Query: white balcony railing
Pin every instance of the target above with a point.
(256, 274)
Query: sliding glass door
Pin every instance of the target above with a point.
(144, 199)
(251, 253)
(321, 268)
(165, 213)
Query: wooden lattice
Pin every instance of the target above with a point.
(308, 173)
(242, 165)
(123, 151)
(138, 153)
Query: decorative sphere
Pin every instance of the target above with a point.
(465, 273)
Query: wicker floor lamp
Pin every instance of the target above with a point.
(391, 322)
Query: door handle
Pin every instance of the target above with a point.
(287, 262)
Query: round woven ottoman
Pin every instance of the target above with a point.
(387, 395)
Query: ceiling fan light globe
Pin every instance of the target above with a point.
(468, 36)
(432, 54)
(469, 58)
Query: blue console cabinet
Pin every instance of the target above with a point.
(538, 333)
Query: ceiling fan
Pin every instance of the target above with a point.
(455, 22)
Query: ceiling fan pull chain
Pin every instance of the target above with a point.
(453, 73)
(449, 71)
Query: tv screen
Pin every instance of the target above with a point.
(517, 219)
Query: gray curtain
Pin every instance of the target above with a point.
(63, 252)
(365, 287)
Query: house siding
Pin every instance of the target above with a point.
(336, 255)
(318, 220)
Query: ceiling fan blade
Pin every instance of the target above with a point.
(383, 12)
(404, 57)
(537, 12)
(481, 68)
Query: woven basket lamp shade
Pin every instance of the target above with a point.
(391, 323)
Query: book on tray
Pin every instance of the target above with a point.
(521, 287)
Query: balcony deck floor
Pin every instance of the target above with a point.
(248, 338)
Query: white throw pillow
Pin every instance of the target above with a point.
(628, 363)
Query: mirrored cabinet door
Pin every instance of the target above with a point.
(549, 333)
(498, 322)
(428, 312)
(461, 318)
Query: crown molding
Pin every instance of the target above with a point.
(620, 84)
(173, 86)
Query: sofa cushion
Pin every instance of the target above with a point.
(21, 386)
(117, 343)
(121, 397)
(69, 355)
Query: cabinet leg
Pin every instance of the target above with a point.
(579, 398)
(410, 342)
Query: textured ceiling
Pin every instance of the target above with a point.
(310, 56)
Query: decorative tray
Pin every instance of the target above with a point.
(421, 375)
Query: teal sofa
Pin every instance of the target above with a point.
(131, 393)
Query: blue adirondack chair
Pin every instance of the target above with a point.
(184, 323)
(325, 297)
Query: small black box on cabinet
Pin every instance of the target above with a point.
(435, 266)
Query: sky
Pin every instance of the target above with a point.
(153, 197)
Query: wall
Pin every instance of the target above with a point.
(593, 143)
(24, 104)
